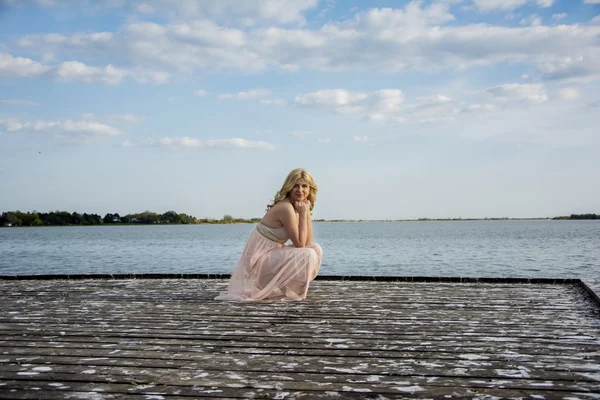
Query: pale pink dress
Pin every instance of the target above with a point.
(270, 270)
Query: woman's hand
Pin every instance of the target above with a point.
(303, 207)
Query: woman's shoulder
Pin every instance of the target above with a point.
(282, 207)
(276, 213)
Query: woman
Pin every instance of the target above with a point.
(269, 269)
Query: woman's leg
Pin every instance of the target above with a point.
(286, 272)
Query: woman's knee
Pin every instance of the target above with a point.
(309, 254)
(313, 257)
(317, 248)
(318, 251)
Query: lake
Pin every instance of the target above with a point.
(529, 248)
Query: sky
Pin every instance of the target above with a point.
(399, 109)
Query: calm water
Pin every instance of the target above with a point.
(564, 249)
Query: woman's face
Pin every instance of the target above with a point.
(300, 191)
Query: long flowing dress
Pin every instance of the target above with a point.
(270, 270)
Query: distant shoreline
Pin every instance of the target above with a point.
(432, 219)
(319, 221)
(11, 219)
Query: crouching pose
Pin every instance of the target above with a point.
(268, 268)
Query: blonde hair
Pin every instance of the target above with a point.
(288, 185)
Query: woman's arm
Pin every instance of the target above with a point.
(309, 233)
(295, 227)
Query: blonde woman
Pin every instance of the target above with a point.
(268, 268)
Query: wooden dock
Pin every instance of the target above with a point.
(355, 339)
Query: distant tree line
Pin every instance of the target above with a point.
(34, 218)
(579, 216)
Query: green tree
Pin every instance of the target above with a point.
(29, 219)
(170, 217)
(95, 219)
(11, 218)
(78, 219)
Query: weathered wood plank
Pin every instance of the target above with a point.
(165, 337)
(381, 328)
(258, 361)
(142, 375)
(276, 390)
(382, 348)
(181, 381)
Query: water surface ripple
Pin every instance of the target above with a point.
(549, 249)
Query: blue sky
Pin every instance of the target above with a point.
(399, 109)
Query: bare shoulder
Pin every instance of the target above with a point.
(283, 208)
(284, 205)
(277, 213)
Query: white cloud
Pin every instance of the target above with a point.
(200, 92)
(240, 143)
(323, 140)
(479, 107)
(389, 105)
(277, 102)
(96, 40)
(250, 94)
(490, 5)
(558, 17)
(379, 105)
(533, 93)
(532, 20)
(248, 11)
(385, 104)
(71, 127)
(39, 3)
(337, 100)
(19, 66)
(79, 72)
(75, 71)
(126, 143)
(572, 69)
(550, 124)
(145, 76)
(191, 143)
(569, 93)
(89, 127)
(88, 116)
(591, 1)
(414, 37)
(361, 138)
(109, 75)
(11, 125)
(183, 142)
(432, 109)
(20, 102)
